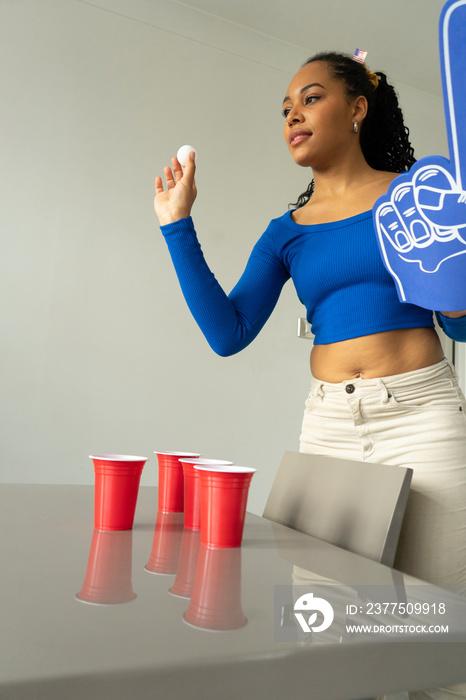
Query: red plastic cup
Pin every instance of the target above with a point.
(108, 573)
(216, 597)
(166, 544)
(192, 489)
(117, 480)
(171, 481)
(224, 495)
(187, 564)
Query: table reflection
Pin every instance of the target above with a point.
(216, 597)
(209, 577)
(187, 563)
(166, 544)
(107, 580)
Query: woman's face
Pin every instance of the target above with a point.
(319, 117)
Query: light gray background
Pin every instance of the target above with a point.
(99, 352)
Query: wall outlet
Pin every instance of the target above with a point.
(304, 329)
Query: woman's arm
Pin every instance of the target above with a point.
(453, 324)
(228, 322)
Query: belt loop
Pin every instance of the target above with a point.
(386, 394)
(452, 378)
(316, 388)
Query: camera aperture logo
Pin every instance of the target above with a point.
(307, 603)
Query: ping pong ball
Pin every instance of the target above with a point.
(183, 154)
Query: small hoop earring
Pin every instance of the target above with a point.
(356, 127)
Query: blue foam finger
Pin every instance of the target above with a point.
(437, 196)
(428, 271)
(430, 200)
(393, 230)
(453, 212)
(452, 40)
(431, 184)
(403, 200)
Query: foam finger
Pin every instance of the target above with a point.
(438, 198)
(415, 227)
(391, 227)
(452, 30)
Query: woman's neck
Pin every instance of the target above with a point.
(349, 175)
(340, 195)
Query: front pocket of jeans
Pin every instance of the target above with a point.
(441, 397)
(311, 401)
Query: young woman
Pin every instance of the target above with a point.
(381, 389)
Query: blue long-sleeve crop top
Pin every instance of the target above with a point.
(337, 272)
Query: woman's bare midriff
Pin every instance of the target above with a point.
(377, 355)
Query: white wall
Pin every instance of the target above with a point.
(99, 352)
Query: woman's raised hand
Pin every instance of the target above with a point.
(176, 201)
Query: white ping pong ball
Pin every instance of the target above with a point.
(183, 154)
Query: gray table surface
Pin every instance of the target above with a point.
(54, 646)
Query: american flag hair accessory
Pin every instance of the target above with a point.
(359, 55)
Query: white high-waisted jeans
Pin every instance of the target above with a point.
(417, 420)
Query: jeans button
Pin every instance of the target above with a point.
(350, 388)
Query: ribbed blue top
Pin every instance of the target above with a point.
(340, 278)
(336, 269)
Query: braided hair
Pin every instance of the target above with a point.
(384, 137)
